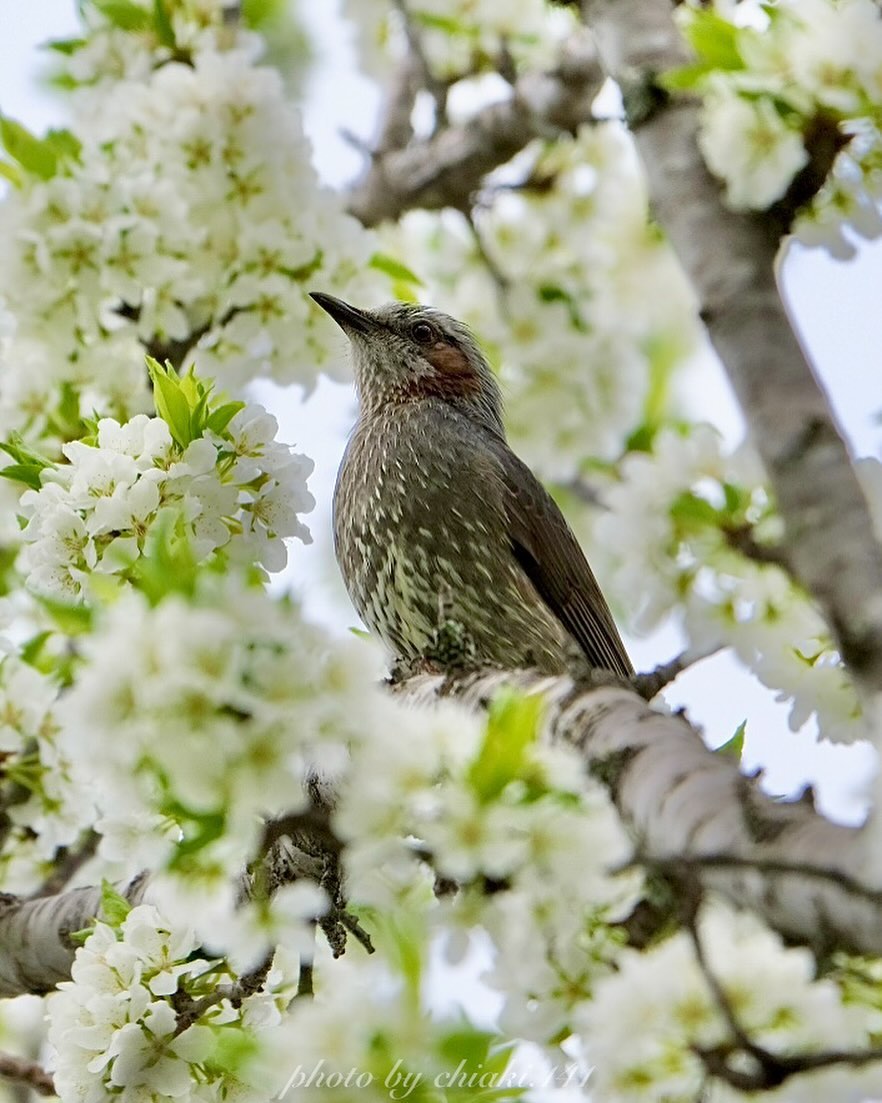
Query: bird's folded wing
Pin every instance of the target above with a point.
(550, 556)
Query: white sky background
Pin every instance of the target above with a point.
(836, 304)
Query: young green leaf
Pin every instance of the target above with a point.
(693, 510)
(35, 155)
(167, 564)
(734, 747)
(26, 473)
(713, 38)
(124, 14)
(114, 908)
(394, 268)
(66, 46)
(165, 32)
(220, 417)
(512, 723)
(170, 402)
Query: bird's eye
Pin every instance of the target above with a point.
(423, 333)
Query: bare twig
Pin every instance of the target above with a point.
(27, 1073)
(742, 538)
(651, 683)
(500, 280)
(421, 70)
(67, 865)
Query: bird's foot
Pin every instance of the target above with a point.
(402, 669)
(452, 647)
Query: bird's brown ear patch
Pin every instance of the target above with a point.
(448, 360)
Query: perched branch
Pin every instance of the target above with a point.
(447, 169)
(694, 816)
(730, 258)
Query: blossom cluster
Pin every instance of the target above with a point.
(237, 489)
(51, 808)
(197, 716)
(180, 213)
(582, 307)
(118, 1028)
(648, 1022)
(670, 533)
(489, 803)
(776, 81)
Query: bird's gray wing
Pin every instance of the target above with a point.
(550, 556)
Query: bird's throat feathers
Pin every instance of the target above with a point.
(442, 373)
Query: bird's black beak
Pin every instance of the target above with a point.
(349, 318)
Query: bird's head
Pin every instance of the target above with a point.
(405, 352)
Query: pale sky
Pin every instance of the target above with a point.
(836, 305)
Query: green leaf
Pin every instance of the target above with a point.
(713, 38)
(66, 145)
(685, 77)
(394, 268)
(642, 438)
(512, 723)
(124, 14)
(221, 416)
(114, 908)
(33, 649)
(169, 400)
(234, 1050)
(71, 619)
(11, 173)
(734, 747)
(66, 46)
(550, 293)
(21, 453)
(26, 473)
(694, 511)
(404, 292)
(201, 829)
(440, 23)
(165, 32)
(119, 555)
(167, 564)
(35, 155)
(735, 497)
(28, 463)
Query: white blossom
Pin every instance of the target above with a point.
(645, 1021)
(115, 1028)
(751, 146)
(237, 493)
(192, 215)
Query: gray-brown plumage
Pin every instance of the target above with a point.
(438, 525)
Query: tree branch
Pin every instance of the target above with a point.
(446, 169)
(693, 815)
(730, 258)
(26, 1073)
(36, 950)
(697, 824)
